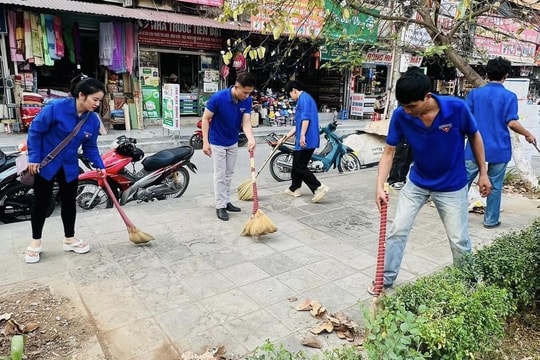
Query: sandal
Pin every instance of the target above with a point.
(32, 255)
(77, 246)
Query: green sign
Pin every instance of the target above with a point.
(359, 28)
(334, 51)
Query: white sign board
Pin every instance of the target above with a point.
(357, 104)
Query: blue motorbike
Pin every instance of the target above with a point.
(333, 154)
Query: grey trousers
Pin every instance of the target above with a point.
(224, 158)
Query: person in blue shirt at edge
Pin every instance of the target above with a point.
(495, 109)
(52, 125)
(227, 111)
(435, 128)
(307, 140)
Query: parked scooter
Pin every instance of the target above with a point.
(15, 198)
(163, 175)
(334, 154)
(196, 140)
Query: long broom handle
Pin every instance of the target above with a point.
(123, 215)
(274, 149)
(379, 271)
(253, 181)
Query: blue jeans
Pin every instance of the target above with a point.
(496, 173)
(452, 207)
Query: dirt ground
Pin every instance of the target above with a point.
(60, 332)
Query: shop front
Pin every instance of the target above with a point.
(183, 55)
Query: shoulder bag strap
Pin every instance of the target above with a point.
(64, 142)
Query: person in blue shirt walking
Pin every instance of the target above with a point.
(496, 110)
(307, 140)
(435, 128)
(52, 125)
(227, 111)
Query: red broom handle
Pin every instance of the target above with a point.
(253, 181)
(116, 203)
(379, 271)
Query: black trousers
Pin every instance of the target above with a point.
(401, 163)
(43, 192)
(300, 171)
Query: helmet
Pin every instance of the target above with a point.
(126, 146)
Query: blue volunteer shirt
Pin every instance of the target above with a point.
(438, 150)
(488, 103)
(306, 109)
(52, 125)
(227, 118)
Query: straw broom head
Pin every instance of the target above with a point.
(259, 224)
(245, 191)
(136, 236)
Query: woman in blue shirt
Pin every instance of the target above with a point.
(52, 125)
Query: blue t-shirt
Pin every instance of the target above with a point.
(52, 125)
(227, 118)
(438, 150)
(306, 109)
(493, 106)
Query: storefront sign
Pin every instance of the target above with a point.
(307, 21)
(360, 28)
(180, 35)
(171, 106)
(386, 59)
(205, 2)
(357, 104)
(513, 50)
(334, 51)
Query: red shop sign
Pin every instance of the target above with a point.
(180, 35)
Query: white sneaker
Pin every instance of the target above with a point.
(319, 193)
(398, 185)
(295, 193)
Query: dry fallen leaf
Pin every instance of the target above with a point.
(324, 326)
(315, 307)
(26, 328)
(10, 329)
(5, 316)
(340, 334)
(312, 341)
(304, 306)
(292, 299)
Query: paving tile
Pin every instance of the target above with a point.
(244, 273)
(304, 255)
(331, 269)
(267, 291)
(214, 337)
(266, 328)
(331, 296)
(161, 299)
(188, 319)
(205, 285)
(229, 305)
(276, 263)
(113, 304)
(300, 279)
(135, 339)
(358, 259)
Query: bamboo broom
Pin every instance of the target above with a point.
(135, 235)
(245, 189)
(379, 271)
(259, 224)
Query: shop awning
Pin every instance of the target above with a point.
(124, 12)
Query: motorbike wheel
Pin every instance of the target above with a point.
(85, 192)
(349, 162)
(178, 181)
(195, 141)
(279, 171)
(18, 200)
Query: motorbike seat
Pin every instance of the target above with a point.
(167, 157)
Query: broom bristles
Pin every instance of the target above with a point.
(259, 224)
(137, 236)
(245, 191)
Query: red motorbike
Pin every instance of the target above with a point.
(196, 139)
(163, 176)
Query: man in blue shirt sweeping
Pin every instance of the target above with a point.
(435, 128)
(226, 112)
(496, 110)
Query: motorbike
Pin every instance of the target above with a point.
(196, 140)
(163, 175)
(15, 198)
(333, 154)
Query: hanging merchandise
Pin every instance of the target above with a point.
(130, 47)
(77, 41)
(46, 54)
(106, 43)
(37, 48)
(27, 37)
(13, 37)
(70, 43)
(59, 41)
